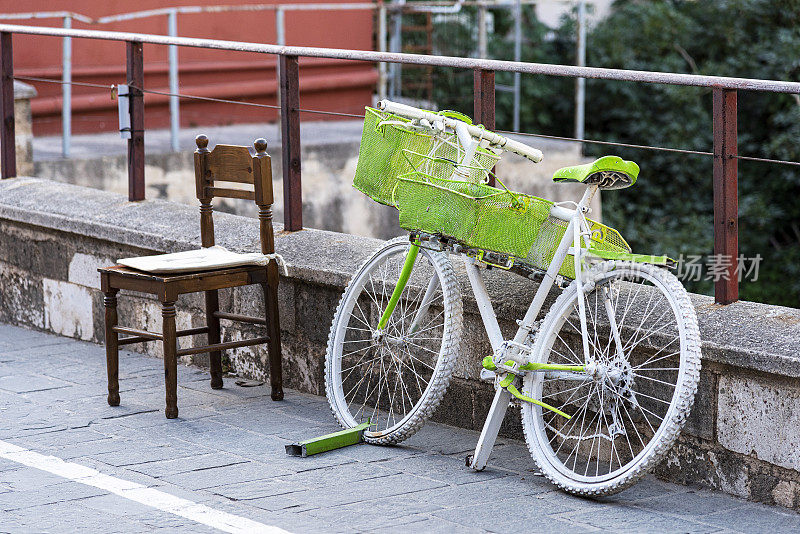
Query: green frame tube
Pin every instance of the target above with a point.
(405, 274)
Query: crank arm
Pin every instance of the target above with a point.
(506, 384)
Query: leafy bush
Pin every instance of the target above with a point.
(671, 209)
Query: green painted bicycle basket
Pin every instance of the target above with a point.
(391, 146)
(488, 218)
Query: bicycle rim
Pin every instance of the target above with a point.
(629, 407)
(396, 376)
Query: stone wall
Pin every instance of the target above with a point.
(741, 437)
(329, 200)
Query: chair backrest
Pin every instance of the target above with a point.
(234, 164)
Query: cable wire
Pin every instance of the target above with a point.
(206, 98)
(611, 143)
(768, 160)
(356, 116)
(62, 82)
(320, 112)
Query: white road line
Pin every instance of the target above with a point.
(133, 491)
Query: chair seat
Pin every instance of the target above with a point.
(172, 285)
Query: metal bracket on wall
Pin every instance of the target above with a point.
(124, 107)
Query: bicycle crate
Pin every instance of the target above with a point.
(488, 218)
(391, 146)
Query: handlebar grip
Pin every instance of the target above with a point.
(516, 147)
(524, 150)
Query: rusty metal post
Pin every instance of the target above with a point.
(290, 141)
(484, 101)
(135, 60)
(8, 150)
(726, 195)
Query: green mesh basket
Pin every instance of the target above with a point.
(391, 146)
(488, 218)
(552, 230)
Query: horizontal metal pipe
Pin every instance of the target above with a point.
(46, 15)
(416, 6)
(692, 80)
(227, 9)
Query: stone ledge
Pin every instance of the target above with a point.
(749, 335)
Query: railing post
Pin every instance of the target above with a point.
(66, 90)
(174, 104)
(484, 101)
(517, 57)
(482, 38)
(381, 48)
(396, 45)
(290, 143)
(135, 61)
(280, 26)
(580, 83)
(726, 195)
(8, 149)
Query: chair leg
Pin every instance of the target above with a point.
(170, 358)
(212, 305)
(274, 331)
(112, 347)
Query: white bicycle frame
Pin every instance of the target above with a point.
(570, 244)
(470, 137)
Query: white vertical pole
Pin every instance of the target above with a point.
(395, 45)
(381, 48)
(517, 57)
(280, 38)
(66, 91)
(174, 104)
(280, 26)
(482, 44)
(580, 83)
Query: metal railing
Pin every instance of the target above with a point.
(724, 89)
(172, 30)
(384, 42)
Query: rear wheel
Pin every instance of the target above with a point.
(630, 405)
(395, 376)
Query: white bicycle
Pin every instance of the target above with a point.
(605, 380)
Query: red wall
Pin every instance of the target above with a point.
(324, 84)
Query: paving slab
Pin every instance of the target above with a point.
(226, 453)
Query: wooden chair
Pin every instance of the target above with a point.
(226, 163)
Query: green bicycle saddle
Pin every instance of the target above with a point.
(608, 172)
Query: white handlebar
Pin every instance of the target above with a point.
(478, 133)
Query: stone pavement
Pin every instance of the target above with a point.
(224, 458)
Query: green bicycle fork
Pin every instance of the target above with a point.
(405, 274)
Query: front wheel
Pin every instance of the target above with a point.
(642, 358)
(393, 376)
